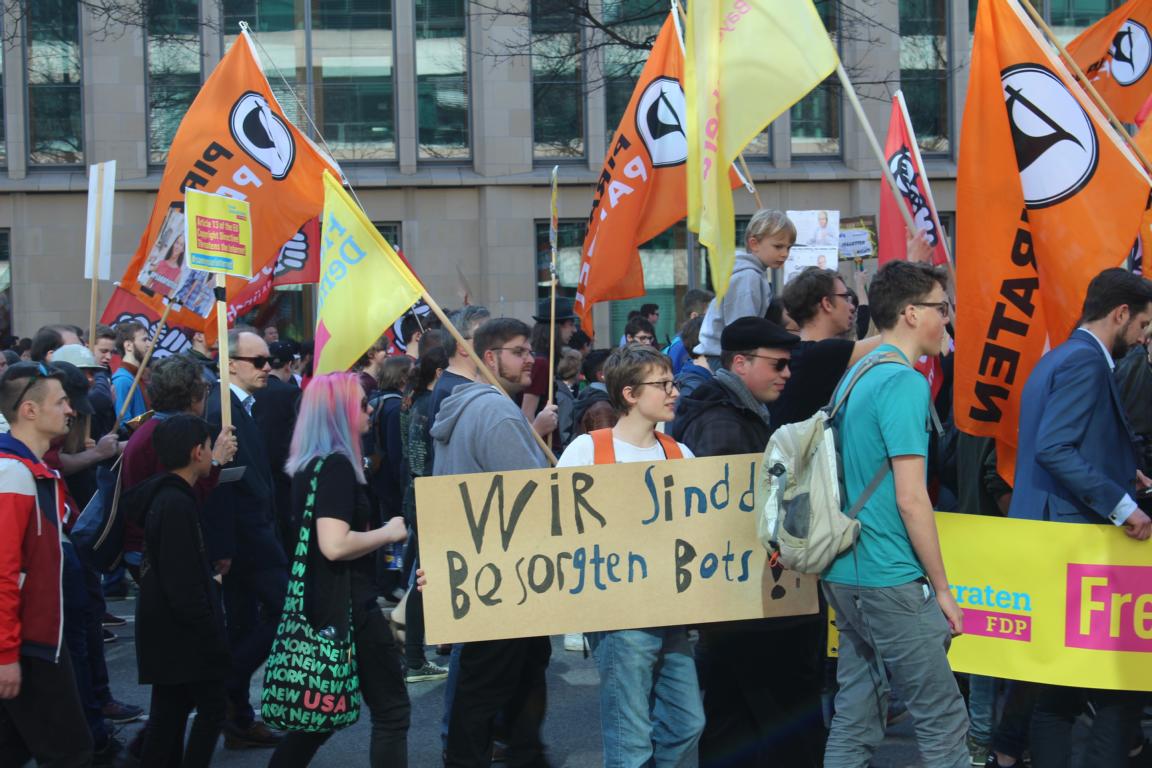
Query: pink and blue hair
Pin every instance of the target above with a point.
(328, 422)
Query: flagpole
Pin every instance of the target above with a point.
(915, 149)
(466, 345)
(96, 240)
(222, 343)
(143, 365)
(1088, 87)
(553, 236)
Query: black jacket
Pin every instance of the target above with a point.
(275, 413)
(180, 633)
(240, 517)
(713, 422)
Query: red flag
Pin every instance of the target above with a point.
(904, 161)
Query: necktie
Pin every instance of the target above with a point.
(247, 404)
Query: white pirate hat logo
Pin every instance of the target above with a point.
(262, 134)
(660, 122)
(1131, 53)
(1056, 146)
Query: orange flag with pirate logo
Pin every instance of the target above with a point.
(1116, 54)
(234, 141)
(1047, 197)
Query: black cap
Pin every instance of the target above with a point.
(563, 310)
(75, 386)
(753, 333)
(283, 352)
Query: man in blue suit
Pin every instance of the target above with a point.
(1077, 463)
(240, 528)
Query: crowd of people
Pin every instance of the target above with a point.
(205, 520)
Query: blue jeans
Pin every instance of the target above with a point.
(899, 631)
(981, 707)
(650, 708)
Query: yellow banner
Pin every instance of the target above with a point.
(218, 233)
(616, 546)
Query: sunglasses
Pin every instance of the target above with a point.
(779, 363)
(41, 372)
(258, 362)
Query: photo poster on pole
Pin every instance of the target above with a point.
(166, 272)
(218, 233)
(817, 241)
(98, 237)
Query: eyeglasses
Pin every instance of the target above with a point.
(41, 372)
(643, 338)
(666, 384)
(848, 297)
(779, 363)
(943, 307)
(516, 351)
(258, 362)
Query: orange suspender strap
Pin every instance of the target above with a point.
(671, 447)
(603, 452)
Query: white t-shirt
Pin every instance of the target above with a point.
(580, 452)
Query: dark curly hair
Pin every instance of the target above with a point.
(177, 382)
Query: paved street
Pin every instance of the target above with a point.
(572, 730)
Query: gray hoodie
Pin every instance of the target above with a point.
(478, 429)
(749, 294)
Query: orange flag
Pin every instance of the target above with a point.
(1047, 197)
(234, 141)
(642, 188)
(1116, 54)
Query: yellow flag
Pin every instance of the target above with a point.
(364, 286)
(747, 61)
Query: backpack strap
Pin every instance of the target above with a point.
(870, 362)
(603, 452)
(881, 473)
(670, 446)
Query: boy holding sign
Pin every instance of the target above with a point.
(642, 666)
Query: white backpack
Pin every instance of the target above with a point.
(800, 492)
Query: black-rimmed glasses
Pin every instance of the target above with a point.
(666, 384)
(848, 297)
(943, 307)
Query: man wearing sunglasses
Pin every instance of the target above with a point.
(820, 303)
(38, 696)
(746, 702)
(240, 527)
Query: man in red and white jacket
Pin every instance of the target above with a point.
(38, 698)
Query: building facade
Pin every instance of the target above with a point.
(447, 117)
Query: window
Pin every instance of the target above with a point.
(390, 231)
(924, 72)
(816, 117)
(442, 95)
(52, 59)
(638, 21)
(345, 77)
(557, 81)
(353, 68)
(569, 250)
(173, 51)
(1069, 18)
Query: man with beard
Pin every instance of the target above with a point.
(478, 429)
(1077, 463)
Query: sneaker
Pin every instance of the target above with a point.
(113, 621)
(109, 636)
(574, 642)
(120, 713)
(429, 671)
(980, 752)
(255, 736)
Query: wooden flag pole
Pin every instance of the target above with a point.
(490, 377)
(222, 343)
(553, 224)
(96, 240)
(1088, 87)
(143, 365)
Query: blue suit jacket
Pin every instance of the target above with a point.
(1076, 456)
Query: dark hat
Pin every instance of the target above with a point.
(283, 352)
(75, 386)
(753, 333)
(563, 310)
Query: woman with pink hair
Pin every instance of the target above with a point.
(334, 415)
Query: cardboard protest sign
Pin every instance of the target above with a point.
(616, 546)
(219, 233)
(1050, 602)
